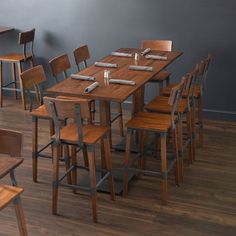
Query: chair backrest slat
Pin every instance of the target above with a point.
(10, 142)
(81, 54)
(27, 38)
(60, 64)
(65, 107)
(33, 76)
(160, 45)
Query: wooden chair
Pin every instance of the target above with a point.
(80, 133)
(60, 65)
(11, 145)
(81, 55)
(160, 45)
(186, 108)
(160, 125)
(26, 39)
(199, 90)
(32, 80)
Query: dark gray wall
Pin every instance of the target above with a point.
(196, 27)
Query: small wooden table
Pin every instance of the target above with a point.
(4, 29)
(115, 92)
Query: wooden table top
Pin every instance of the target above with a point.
(114, 92)
(4, 29)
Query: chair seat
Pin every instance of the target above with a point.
(161, 76)
(91, 133)
(166, 91)
(160, 104)
(150, 122)
(9, 163)
(8, 193)
(14, 57)
(40, 112)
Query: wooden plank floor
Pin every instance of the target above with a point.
(205, 204)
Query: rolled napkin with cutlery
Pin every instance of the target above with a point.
(82, 77)
(156, 57)
(121, 81)
(146, 51)
(105, 64)
(141, 68)
(121, 54)
(91, 87)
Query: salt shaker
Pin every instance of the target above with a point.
(136, 56)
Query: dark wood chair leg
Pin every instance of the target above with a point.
(121, 126)
(92, 175)
(189, 128)
(193, 130)
(74, 163)
(200, 119)
(52, 132)
(176, 153)
(56, 157)
(1, 85)
(126, 162)
(20, 217)
(164, 169)
(21, 86)
(85, 155)
(14, 79)
(180, 148)
(35, 147)
(109, 167)
(66, 155)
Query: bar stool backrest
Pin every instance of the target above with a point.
(205, 72)
(175, 99)
(60, 65)
(32, 79)
(27, 38)
(160, 45)
(61, 109)
(81, 54)
(10, 142)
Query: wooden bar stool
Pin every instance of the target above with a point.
(160, 104)
(188, 95)
(32, 79)
(82, 134)
(81, 55)
(159, 45)
(199, 90)
(161, 125)
(25, 38)
(11, 145)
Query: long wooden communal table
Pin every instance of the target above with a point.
(116, 92)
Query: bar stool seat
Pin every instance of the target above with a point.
(160, 104)
(150, 121)
(91, 133)
(8, 194)
(40, 112)
(14, 57)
